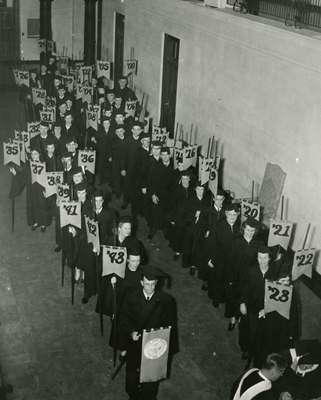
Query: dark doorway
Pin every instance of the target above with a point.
(9, 40)
(119, 46)
(169, 85)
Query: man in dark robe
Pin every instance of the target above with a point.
(145, 308)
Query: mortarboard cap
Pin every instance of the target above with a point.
(66, 154)
(80, 186)
(153, 273)
(166, 149)
(232, 207)
(144, 135)
(309, 350)
(252, 222)
(50, 140)
(137, 123)
(125, 219)
(77, 170)
(156, 143)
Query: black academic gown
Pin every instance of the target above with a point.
(154, 187)
(104, 144)
(194, 231)
(119, 163)
(140, 171)
(137, 314)
(178, 215)
(225, 236)
(252, 290)
(129, 183)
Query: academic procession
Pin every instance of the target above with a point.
(160, 217)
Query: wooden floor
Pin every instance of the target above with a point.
(50, 349)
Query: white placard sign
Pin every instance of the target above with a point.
(70, 214)
(87, 159)
(39, 96)
(189, 156)
(114, 260)
(130, 67)
(277, 297)
(213, 181)
(280, 233)
(47, 116)
(205, 166)
(249, 209)
(63, 193)
(130, 108)
(53, 179)
(87, 94)
(38, 173)
(33, 129)
(302, 263)
(103, 69)
(24, 78)
(85, 74)
(178, 157)
(11, 153)
(92, 119)
(92, 230)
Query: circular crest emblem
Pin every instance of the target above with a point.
(155, 348)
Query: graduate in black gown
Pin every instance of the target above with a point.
(148, 307)
(302, 378)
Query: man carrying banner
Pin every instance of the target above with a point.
(144, 309)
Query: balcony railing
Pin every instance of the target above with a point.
(301, 13)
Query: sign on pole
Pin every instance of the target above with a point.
(280, 233)
(155, 348)
(70, 214)
(114, 260)
(249, 209)
(11, 153)
(302, 263)
(277, 297)
(87, 159)
(92, 229)
(38, 173)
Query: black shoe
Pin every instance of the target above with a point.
(215, 304)
(43, 229)
(192, 271)
(34, 227)
(84, 300)
(176, 256)
(57, 249)
(204, 287)
(231, 326)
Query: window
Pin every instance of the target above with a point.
(33, 27)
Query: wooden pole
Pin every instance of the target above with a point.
(282, 207)
(175, 134)
(208, 147)
(191, 135)
(306, 236)
(252, 195)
